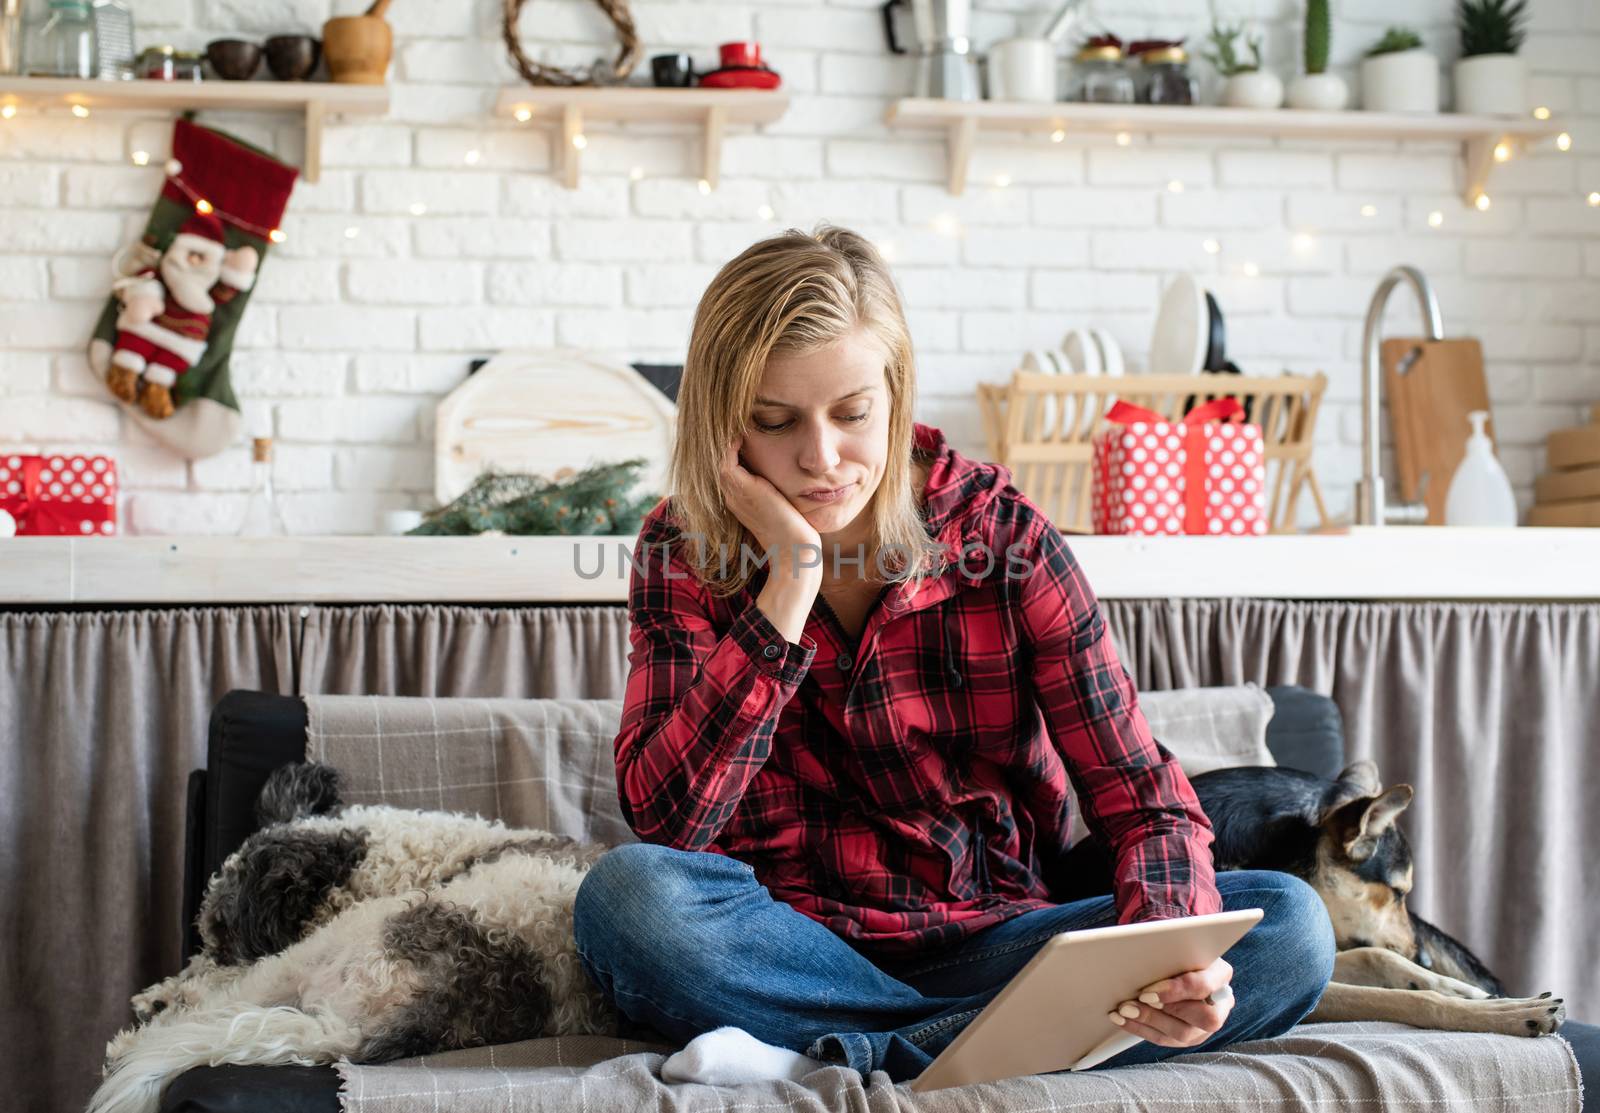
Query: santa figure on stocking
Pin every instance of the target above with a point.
(166, 311)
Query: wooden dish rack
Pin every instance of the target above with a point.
(1042, 427)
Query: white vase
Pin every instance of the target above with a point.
(1401, 81)
(1257, 89)
(1321, 92)
(1492, 85)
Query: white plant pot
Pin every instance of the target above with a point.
(1322, 92)
(1405, 81)
(1260, 89)
(1492, 85)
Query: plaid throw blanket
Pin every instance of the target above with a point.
(1363, 1066)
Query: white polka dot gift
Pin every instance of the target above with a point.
(1205, 474)
(60, 495)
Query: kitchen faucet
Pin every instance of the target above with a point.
(1370, 509)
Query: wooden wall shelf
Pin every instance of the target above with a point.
(710, 109)
(962, 121)
(317, 100)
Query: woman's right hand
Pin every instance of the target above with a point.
(780, 529)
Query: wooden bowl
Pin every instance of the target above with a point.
(357, 48)
(292, 57)
(233, 59)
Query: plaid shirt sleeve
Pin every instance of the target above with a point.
(700, 707)
(1135, 798)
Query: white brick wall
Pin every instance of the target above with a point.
(368, 314)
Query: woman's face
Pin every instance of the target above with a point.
(821, 422)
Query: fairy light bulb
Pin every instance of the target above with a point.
(8, 111)
(1211, 247)
(141, 158)
(1541, 113)
(523, 114)
(1564, 141)
(1058, 135)
(80, 112)
(580, 141)
(1123, 139)
(1482, 202)
(1502, 153)
(1594, 199)
(204, 207)
(276, 235)
(1435, 218)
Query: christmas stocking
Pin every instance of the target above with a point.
(163, 342)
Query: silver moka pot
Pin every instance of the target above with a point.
(945, 65)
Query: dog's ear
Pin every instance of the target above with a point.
(1361, 823)
(1363, 775)
(1355, 782)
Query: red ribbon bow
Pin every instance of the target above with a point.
(1194, 445)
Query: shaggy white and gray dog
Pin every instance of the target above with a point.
(366, 932)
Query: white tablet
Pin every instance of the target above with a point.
(1053, 1015)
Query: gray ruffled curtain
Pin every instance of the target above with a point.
(104, 714)
(1489, 710)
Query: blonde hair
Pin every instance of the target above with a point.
(791, 295)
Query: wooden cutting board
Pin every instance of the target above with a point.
(551, 412)
(1432, 386)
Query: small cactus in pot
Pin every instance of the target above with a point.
(1317, 88)
(1398, 75)
(1491, 79)
(1245, 83)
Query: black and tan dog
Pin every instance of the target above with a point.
(1340, 836)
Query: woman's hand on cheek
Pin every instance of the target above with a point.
(765, 511)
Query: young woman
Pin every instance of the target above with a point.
(849, 774)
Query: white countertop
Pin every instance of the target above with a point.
(1396, 562)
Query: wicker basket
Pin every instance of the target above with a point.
(1042, 427)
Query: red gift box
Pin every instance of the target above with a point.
(60, 495)
(1205, 474)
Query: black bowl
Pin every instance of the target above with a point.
(233, 59)
(292, 57)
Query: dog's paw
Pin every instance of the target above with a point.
(1528, 1016)
(1452, 987)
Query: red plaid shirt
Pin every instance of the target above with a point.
(905, 791)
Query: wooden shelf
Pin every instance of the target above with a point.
(710, 109)
(962, 121)
(317, 100)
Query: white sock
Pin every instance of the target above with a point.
(730, 1056)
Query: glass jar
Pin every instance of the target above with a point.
(63, 45)
(1098, 77)
(1165, 78)
(157, 63)
(186, 65)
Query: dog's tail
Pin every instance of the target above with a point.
(240, 1034)
(296, 791)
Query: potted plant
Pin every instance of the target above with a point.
(1490, 78)
(1397, 75)
(1317, 88)
(1246, 84)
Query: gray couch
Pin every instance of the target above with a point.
(548, 763)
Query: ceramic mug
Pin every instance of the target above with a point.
(1022, 69)
(740, 54)
(672, 71)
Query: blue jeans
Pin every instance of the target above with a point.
(685, 942)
